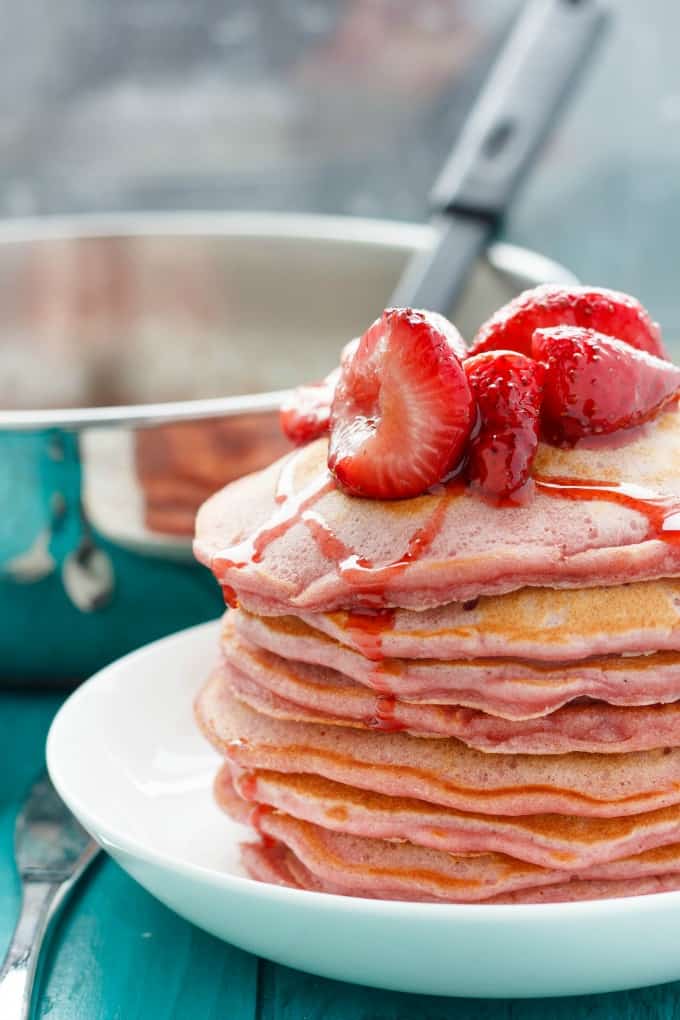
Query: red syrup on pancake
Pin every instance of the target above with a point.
(662, 512)
(366, 628)
(246, 785)
(255, 821)
(368, 580)
(365, 577)
(230, 596)
(383, 718)
(245, 782)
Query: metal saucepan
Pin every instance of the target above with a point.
(142, 363)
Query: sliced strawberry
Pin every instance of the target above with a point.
(595, 384)
(402, 411)
(508, 387)
(606, 311)
(447, 329)
(306, 414)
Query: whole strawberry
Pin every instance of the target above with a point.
(606, 311)
(402, 410)
(508, 389)
(595, 385)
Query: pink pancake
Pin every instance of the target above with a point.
(299, 691)
(287, 539)
(551, 841)
(334, 862)
(277, 864)
(511, 689)
(540, 624)
(443, 771)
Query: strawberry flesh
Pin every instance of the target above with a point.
(597, 385)
(402, 410)
(306, 414)
(508, 388)
(606, 311)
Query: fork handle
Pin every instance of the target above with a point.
(40, 901)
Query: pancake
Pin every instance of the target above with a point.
(298, 691)
(361, 866)
(289, 539)
(550, 841)
(541, 624)
(575, 891)
(444, 771)
(277, 864)
(508, 688)
(443, 700)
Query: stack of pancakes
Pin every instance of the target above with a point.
(438, 699)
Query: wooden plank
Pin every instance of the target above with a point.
(121, 955)
(287, 994)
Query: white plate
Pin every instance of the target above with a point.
(126, 757)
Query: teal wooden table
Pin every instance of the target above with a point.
(119, 955)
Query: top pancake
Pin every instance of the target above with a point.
(468, 548)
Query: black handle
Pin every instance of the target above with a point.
(511, 118)
(518, 106)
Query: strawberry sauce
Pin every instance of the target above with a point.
(366, 630)
(361, 574)
(229, 595)
(368, 580)
(291, 512)
(246, 786)
(246, 783)
(383, 719)
(255, 821)
(662, 512)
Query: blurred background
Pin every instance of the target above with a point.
(344, 107)
(340, 106)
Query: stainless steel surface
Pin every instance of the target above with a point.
(144, 360)
(158, 318)
(52, 851)
(508, 124)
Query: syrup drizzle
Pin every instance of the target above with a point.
(378, 680)
(246, 784)
(365, 577)
(383, 719)
(366, 630)
(230, 596)
(368, 580)
(662, 512)
(362, 575)
(252, 549)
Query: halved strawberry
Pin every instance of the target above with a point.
(508, 387)
(306, 414)
(595, 384)
(606, 311)
(447, 329)
(402, 411)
